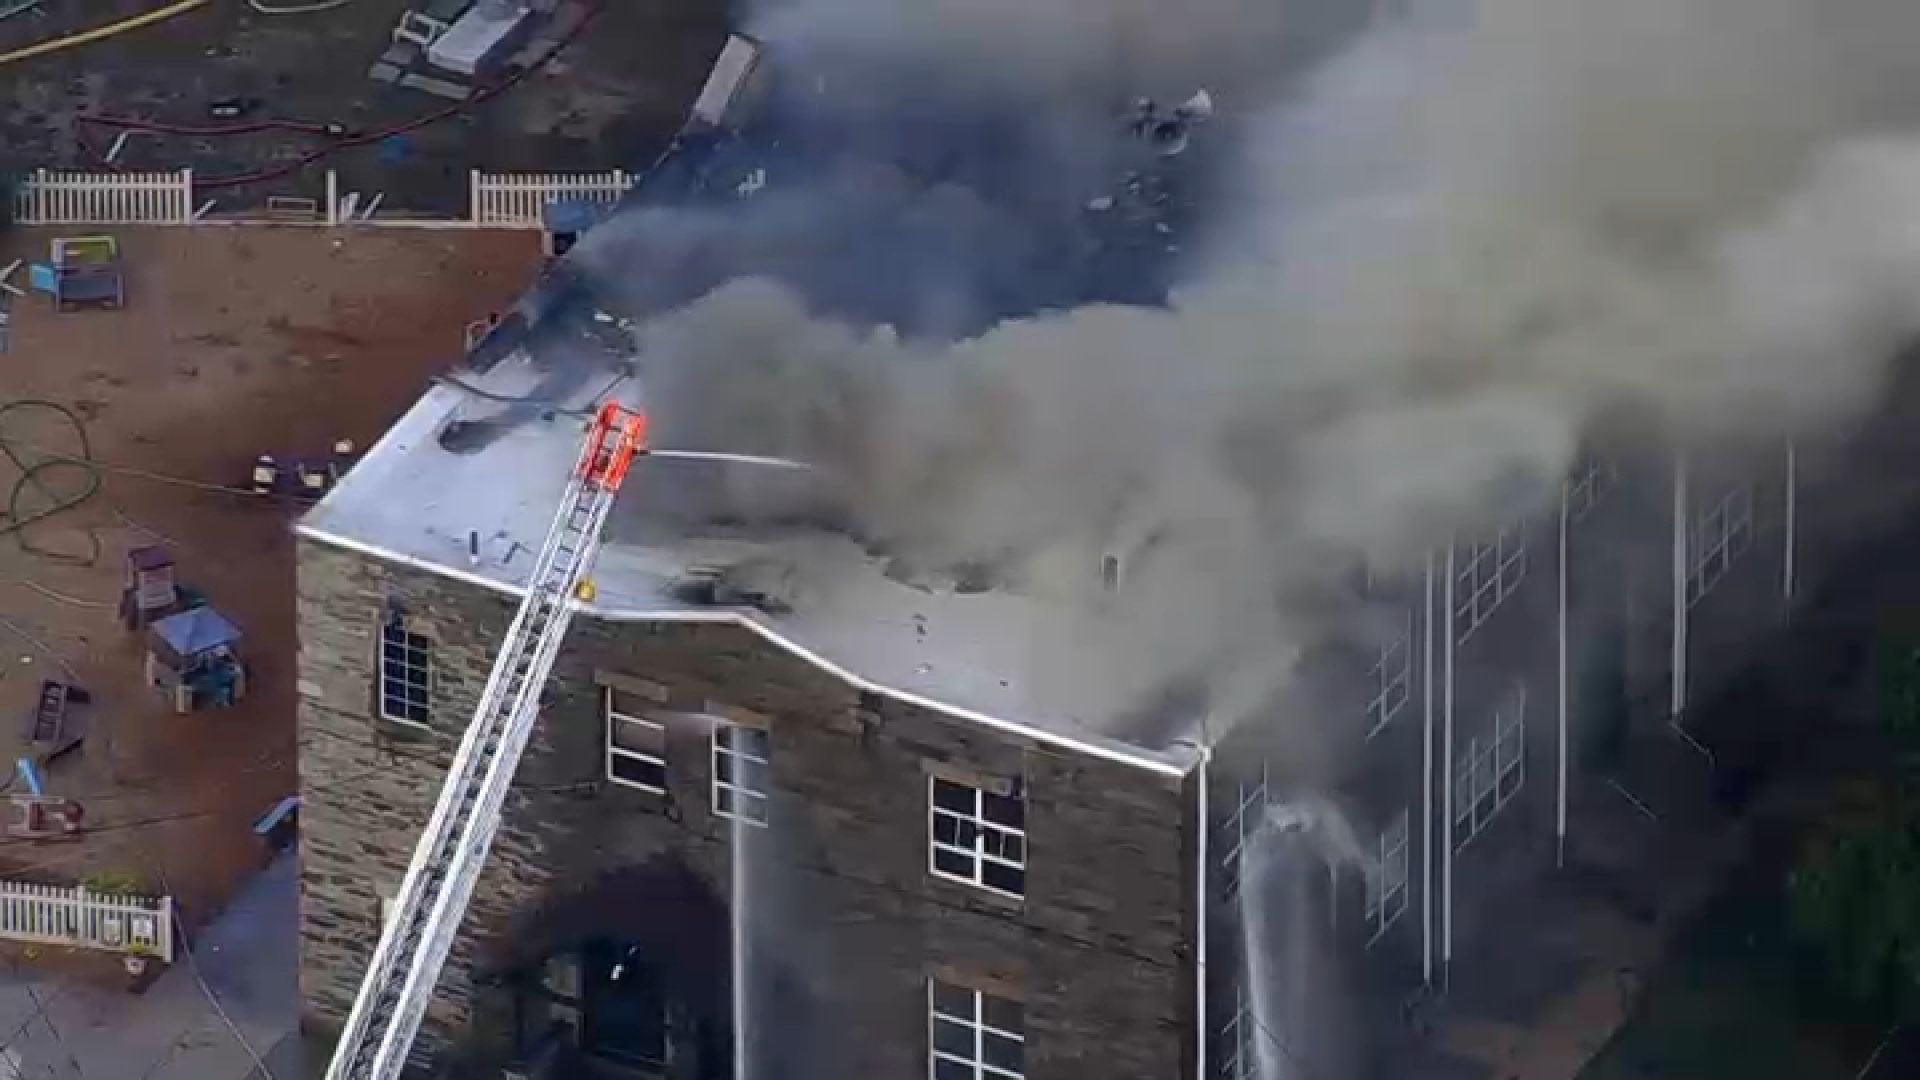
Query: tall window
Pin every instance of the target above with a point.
(1387, 878)
(978, 837)
(1484, 576)
(1720, 533)
(1239, 1042)
(1593, 476)
(973, 1035)
(405, 673)
(1249, 810)
(636, 744)
(1390, 677)
(742, 761)
(1489, 770)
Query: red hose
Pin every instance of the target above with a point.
(339, 142)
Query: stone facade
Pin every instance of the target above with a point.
(843, 921)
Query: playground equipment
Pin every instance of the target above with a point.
(85, 271)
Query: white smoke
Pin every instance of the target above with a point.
(1462, 242)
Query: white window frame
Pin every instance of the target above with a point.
(1387, 878)
(414, 676)
(1490, 770)
(975, 1025)
(742, 793)
(983, 842)
(615, 752)
(1719, 534)
(1239, 1039)
(1592, 478)
(1391, 678)
(1486, 576)
(1249, 810)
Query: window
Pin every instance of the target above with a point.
(406, 673)
(1390, 677)
(742, 760)
(1387, 878)
(1249, 809)
(636, 745)
(1721, 533)
(1489, 771)
(1239, 1049)
(1484, 576)
(1592, 477)
(979, 837)
(973, 1035)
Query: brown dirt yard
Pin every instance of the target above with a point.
(233, 342)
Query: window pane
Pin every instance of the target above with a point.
(645, 773)
(951, 796)
(1004, 1014)
(723, 801)
(754, 741)
(1002, 1052)
(952, 1070)
(1004, 877)
(753, 775)
(946, 828)
(952, 1038)
(1003, 845)
(1003, 810)
(639, 737)
(954, 1001)
(952, 862)
(723, 768)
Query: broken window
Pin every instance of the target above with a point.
(973, 1035)
(1249, 810)
(979, 837)
(1239, 1046)
(405, 673)
(1391, 677)
(1387, 878)
(1592, 477)
(636, 744)
(1489, 771)
(742, 762)
(1721, 532)
(1484, 576)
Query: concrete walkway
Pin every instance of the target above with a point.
(60, 1029)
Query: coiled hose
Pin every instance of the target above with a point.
(43, 474)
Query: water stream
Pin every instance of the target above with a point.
(1295, 988)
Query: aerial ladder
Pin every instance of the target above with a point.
(433, 897)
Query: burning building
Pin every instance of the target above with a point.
(1066, 630)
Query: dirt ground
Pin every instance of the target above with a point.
(234, 342)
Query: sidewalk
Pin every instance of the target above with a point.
(56, 1029)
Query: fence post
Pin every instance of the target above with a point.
(333, 198)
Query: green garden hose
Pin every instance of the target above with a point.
(41, 480)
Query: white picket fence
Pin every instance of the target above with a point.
(51, 915)
(518, 200)
(75, 198)
(496, 200)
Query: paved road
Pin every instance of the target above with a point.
(60, 1030)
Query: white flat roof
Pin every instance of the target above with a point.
(974, 656)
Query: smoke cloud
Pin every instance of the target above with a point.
(1438, 262)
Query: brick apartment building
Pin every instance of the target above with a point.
(843, 816)
(967, 887)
